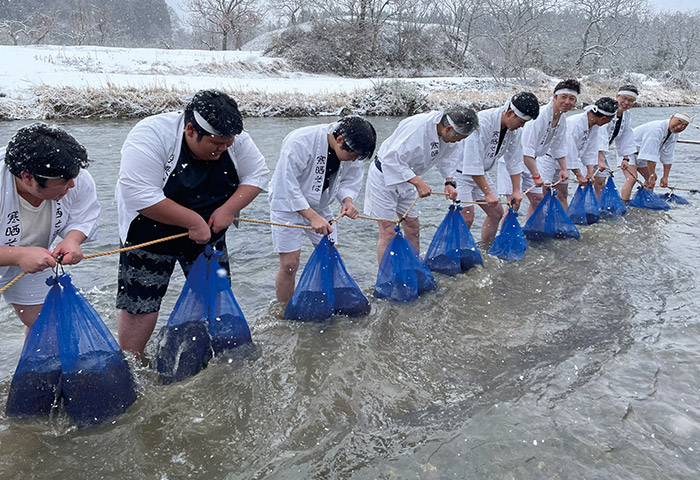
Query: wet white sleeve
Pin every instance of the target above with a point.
(250, 163)
(142, 168)
(84, 211)
(291, 172)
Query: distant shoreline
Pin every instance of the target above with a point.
(63, 82)
(48, 103)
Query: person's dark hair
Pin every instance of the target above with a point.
(464, 120)
(569, 83)
(630, 88)
(217, 109)
(527, 103)
(607, 104)
(358, 134)
(45, 151)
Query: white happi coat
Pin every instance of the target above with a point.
(539, 138)
(479, 151)
(624, 141)
(150, 153)
(582, 142)
(414, 148)
(77, 210)
(297, 182)
(649, 140)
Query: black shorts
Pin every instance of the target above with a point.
(144, 276)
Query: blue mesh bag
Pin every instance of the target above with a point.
(510, 244)
(453, 249)
(647, 199)
(325, 288)
(609, 201)
(583, 209)
(96, 383)
(228, 328)
(184, 345)
(550, 221)
(402, 275)
(35, 385)
(671, 197)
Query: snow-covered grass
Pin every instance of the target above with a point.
(102, 82)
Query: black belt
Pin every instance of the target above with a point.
(377, 163)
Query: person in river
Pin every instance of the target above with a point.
(190, 171)
(546, 135)
(499, 136)
(655, 142)
(318, 164)
(45, 192)
(417, 144)
(618, 132)
(582, 142)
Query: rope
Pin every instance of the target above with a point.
(95, 255)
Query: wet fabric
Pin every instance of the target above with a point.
(96, 383)
(510, 244)
(647, 199)
(325, 288)
(550, 221)
(609, 201)
(402, 275)
(70, 354)
(671, 197)
(205, 321)
(452, 249)
(34, 389)
(583, 209)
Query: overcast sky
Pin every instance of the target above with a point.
(676, 5)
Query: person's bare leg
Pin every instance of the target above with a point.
(27, 314)
(411, 229)
(491, 222)
(598, 184)
(535, 199)
(468, 215)
(386, 233)
(563, 194)
(630, 180)
(134, 331)
(286, 275)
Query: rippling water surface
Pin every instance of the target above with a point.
(580, 361)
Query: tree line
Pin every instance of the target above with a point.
(500, 38)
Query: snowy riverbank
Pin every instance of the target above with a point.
(47, 82)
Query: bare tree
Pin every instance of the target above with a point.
(604, 26)
(224, 19)
(682, 38)
(459, 22)
(290, 10)
(514, 31)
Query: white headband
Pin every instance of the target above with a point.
(454, 126)
(595, 108)
(205, 125)
(519, 113)
(682, 116)
(627, 92)
(567, 90)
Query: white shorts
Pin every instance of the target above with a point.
(604, 174)
(382, 201)
(288, 239)
(549, 169)
(505, 185)
(635, 160)
(31, 289)
(468, 191)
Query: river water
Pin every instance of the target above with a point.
(581, 361)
